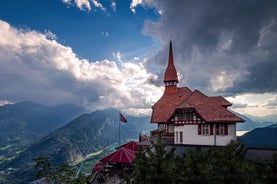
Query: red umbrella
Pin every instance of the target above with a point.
(98, 167)
(122, 155)
(133, 145)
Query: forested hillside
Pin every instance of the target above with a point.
(23, 123)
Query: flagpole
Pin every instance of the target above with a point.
(119, 131)
(121, 119)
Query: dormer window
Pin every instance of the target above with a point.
(176, 117)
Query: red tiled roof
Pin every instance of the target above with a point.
(164, 108)
(122, 155)
(132, 145)
(210, 109)
(214, 113)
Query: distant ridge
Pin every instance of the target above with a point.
(250, 124)
(261, 137)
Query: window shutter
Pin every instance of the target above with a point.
(225, 129)
(199, 129)
(211, 129)
(217, 129)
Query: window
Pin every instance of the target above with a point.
(205, 129)
(221, 129)
(170, 128)
(176, 117)
(181, 137)
(182, 116)
(189, 115)
(160, 126)
(194, 117)
(176, 137)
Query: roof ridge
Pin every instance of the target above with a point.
(196, 90)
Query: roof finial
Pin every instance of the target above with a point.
(170, 56)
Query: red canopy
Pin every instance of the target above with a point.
(98, 167)
(122, 155)
(133, 145)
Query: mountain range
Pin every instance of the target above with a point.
(250, 124)
(23, 123)
(66, 134)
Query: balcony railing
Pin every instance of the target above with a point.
(164, 133)
(167, 137)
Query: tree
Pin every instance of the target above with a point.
(266, 170)
(226, 164)
(194, 166)
(141, 169)
(154, 165)
(218, 165)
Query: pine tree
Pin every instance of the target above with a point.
(154, 165)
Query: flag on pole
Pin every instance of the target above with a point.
(122, 119)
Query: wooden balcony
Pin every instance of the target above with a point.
(168, 137)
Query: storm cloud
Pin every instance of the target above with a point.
(226, 47)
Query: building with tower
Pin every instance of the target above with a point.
(190, 117)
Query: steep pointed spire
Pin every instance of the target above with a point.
(170, 75)
(170, 72)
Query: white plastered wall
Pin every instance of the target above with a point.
(191, 137)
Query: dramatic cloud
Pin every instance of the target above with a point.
(226, 47)
(39, 69)
(220, 47)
